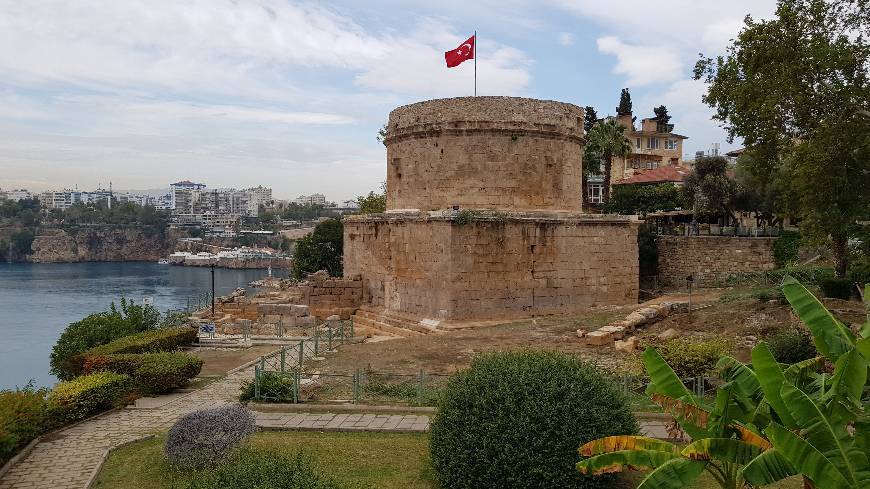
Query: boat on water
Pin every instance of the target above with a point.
(163, 261)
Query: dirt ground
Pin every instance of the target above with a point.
(221, 361)
(734, 316)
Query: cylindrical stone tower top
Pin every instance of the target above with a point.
(485, 153)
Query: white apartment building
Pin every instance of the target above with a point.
(182, 186)
(313, 199)
(16, 194)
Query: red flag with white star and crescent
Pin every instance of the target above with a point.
(464, 52)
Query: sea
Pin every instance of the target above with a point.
(38, 300)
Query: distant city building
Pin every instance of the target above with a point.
(16, 195)
(194, 204)
(66, 198)
(313, 199)
(185, 185)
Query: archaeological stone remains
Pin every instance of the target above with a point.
(484, 218)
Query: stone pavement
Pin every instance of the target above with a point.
(408, 423)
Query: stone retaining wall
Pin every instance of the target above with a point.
(332, 296)
(494, 266)
(708, 258)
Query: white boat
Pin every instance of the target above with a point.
(163, 261)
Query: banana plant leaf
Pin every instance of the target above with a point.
(806, 459)
(796, 371)
(724, 449)
(674, 474)
(608, 463)
(832, 441)
(769, 467)
(831, 337)
(740, 376)
(863, 347)
(698, 418)
(663, 380)
(625, 442)
(771, 378)
(847, 385)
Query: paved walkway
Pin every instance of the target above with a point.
(408, 423)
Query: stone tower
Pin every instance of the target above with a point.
(484, 217)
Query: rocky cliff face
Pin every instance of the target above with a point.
(100, 244)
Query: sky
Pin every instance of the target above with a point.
(290, 95)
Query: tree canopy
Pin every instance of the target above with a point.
(624, 107)
(322, 249)
(373, 203)
(795, 89)
(590, 117)
(708, 190)
(605, 141)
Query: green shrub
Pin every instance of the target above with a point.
(263, 469)
(692, 358)
(22, 418)
(152, 373)
(792, 345)
(206, 437)
(88, 395)
(515, 419)
(786, 247)
(322, 249)
(274, 387)
(98, 329)
(145, 342)
(837, 288)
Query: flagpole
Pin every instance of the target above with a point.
(475, 63)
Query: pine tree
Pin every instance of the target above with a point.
(590, 119)
(624, 103)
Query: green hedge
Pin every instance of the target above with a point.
(153, 341)
(515, 419)
(838, 288)
(152, 373)
(88, 395)
(691, 357)
(22, 418)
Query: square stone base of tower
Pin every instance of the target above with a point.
(470, 266)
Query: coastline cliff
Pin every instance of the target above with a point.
(84, 244)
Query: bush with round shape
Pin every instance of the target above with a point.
(205, 437)
(152, 373)
(88, 395)
(690, 357)
(792, 345)
(274, 387)
(516, 419)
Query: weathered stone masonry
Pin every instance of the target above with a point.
(483, 217)
(709, 258)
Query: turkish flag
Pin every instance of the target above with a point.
(465, 51)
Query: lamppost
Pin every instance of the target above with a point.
(212, 289)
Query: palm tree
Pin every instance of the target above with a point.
(605, 141)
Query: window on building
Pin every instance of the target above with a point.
(639, 164)
(637, 143)
(670, 143)
(596, 193)
(652, 143)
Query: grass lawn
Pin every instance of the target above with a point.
(376, 460)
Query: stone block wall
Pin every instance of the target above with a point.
(492, 267)
(708, 258)
(326, 297)
(485, 153)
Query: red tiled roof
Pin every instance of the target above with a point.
(661, 174)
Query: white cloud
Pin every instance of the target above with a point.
(642, 65)
(566, 38)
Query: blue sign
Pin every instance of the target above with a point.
(206, 328)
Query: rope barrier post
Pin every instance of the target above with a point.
(420, 388)
(301, 354)
(283, 350)
(256, 382)
(316, 342)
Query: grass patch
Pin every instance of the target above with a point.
(376, 460)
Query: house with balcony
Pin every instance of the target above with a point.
(653, 145)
